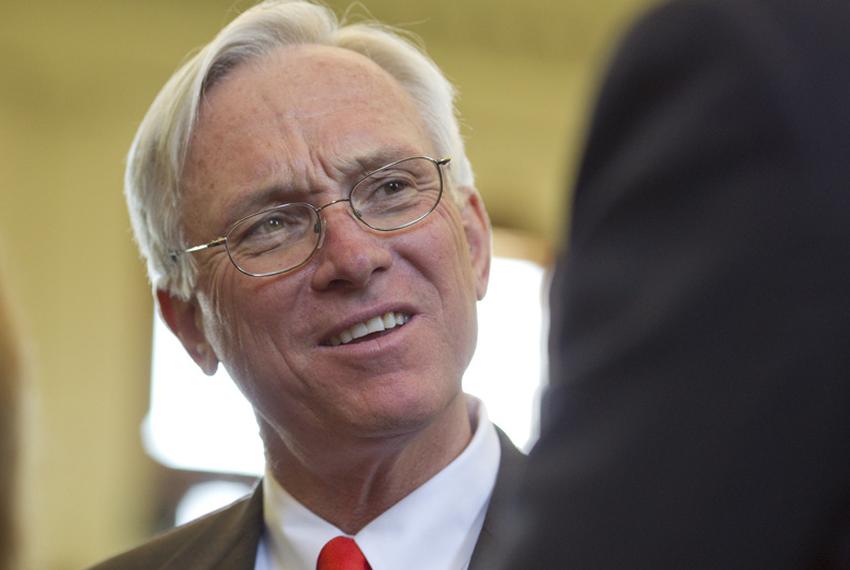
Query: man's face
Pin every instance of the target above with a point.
(302, 125)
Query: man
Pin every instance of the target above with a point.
(302, 197)
(700, 410)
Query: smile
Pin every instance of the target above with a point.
(376, 324)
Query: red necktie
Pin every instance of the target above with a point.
(341, 553)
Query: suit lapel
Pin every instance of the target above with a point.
(511, 465)
(230, 544)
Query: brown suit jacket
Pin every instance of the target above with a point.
(228, 538)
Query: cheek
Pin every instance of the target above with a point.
(238, 326)
(247, 319)
(447, 252)
(444, 260)
(210, 297)
(228, 303)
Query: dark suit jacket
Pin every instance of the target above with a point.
(228, 539)
(699, 415)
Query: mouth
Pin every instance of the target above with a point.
(370, 328)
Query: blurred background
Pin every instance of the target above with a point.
(76, 79)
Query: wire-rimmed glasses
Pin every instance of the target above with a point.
(283, 238)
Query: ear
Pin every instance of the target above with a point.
(476, 225)
(185, 321)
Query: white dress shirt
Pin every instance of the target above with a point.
(435, 527)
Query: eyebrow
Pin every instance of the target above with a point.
(263, 199)
(374, 160)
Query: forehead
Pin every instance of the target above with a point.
(296, 115)
(300, 83)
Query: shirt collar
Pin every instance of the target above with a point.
(435, 526)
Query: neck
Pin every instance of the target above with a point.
(349, 481)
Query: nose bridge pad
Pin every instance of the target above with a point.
(319, 228)
(322, 225)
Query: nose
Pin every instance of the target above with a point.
(351, 254)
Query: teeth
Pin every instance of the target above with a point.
(359, 330)
(375, 324)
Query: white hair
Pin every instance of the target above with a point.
(152, 182)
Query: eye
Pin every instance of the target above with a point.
(272, 228)
(394, 186)
(269, 224)
(390, 185)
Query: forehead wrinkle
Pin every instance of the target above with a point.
(229, 138)
(254, 90)
(351, 79)
(335, 68)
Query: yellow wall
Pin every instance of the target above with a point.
(75, 79)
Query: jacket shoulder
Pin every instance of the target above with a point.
(229, 533)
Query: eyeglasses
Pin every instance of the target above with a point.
(284, 238)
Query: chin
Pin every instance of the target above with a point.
(404, 414)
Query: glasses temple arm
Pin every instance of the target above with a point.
(214, 243)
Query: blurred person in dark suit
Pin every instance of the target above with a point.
(699, 413)
(9, 371)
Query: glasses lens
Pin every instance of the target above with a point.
(275, 240)
(398, 195)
